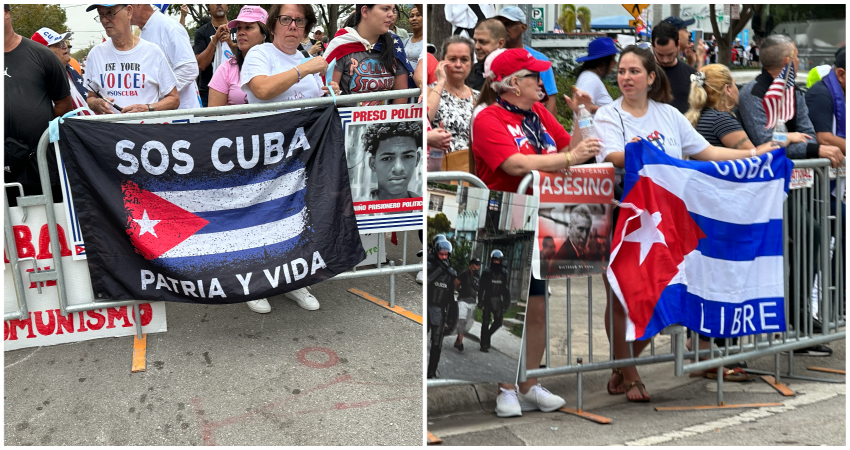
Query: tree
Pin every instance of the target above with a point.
(439, 224)
(724, 41)
(583, 16)
(330, 15)
(567, 18)
(438, 27)
(79, 54)
(27, 19)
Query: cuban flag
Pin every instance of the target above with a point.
(212, 212)
(700, 244)
(196, 225)
(778, 101)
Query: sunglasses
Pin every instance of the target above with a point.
(63, 45)
(536, 75)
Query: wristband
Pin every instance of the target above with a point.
(753, 153)
(299, 73)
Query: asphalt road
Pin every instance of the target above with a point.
(815, 415)
(347, 374)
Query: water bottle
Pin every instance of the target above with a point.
(585, 123)
(780, 134)
(435, 160)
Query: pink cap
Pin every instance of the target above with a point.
(249, 13)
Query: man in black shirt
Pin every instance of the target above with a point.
(206, 39)
(825, 100)
(36, 90)
(489, 36)
(665, 46)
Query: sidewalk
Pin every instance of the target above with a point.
(347, 374)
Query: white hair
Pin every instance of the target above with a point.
(505, 85)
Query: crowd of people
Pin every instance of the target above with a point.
(257, 57)
(494, 97)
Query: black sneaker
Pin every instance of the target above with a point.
(817, 350)
(485, 349)
(459, 346)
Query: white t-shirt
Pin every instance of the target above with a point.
(266, 59)
(140, 75)
(173, 40)
(589, 82)
(663, 125)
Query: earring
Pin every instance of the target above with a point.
(518, 93)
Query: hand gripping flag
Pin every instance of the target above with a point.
(217, 212)
(700, 244)
(778, 101)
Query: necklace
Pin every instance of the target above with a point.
(455, 92)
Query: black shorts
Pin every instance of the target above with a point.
(537, 287)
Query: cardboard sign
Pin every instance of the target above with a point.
(45, 325)
(802, 178)
(385, 166)
(575, 221)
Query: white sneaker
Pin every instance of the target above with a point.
(260, 306)
(304, 299)
(507, 404)
(539, 398)
(419, 276)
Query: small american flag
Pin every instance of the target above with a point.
(778, 102)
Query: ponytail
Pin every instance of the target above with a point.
(696, 100)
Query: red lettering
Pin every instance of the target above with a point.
(118, 313)
(45, 330)
(6, 331)
(110, 80)
(66, 322)
(44, 243)
(23, 325)
(82, 323)
(23, 240)
(98, 317)
(146, 311)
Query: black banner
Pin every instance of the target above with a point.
(219, 212)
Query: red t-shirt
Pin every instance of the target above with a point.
(497, 134)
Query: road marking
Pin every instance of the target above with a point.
(24, 359)
(807, 394)
(396, 309)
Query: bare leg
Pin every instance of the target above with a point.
(535, 335)
(621, 347)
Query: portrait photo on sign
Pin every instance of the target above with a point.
(476, 335)
(575, 221)
(384, 159)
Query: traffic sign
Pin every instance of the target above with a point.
(633, 23)
(635, 10)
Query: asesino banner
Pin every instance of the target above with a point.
(383, 146)
(219, 212)
(45, 325)
(574, 221)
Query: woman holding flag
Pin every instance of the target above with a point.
(642, 112)
(369, 58)
(275, 72)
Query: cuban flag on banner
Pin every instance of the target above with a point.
(346, 41)
(215, 212)
(700, 244)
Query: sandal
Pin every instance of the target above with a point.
(641, 389)
(619, 372)
(734, 374)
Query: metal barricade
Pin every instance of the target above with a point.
(475, 182)
(46, 200)
(815, 219)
